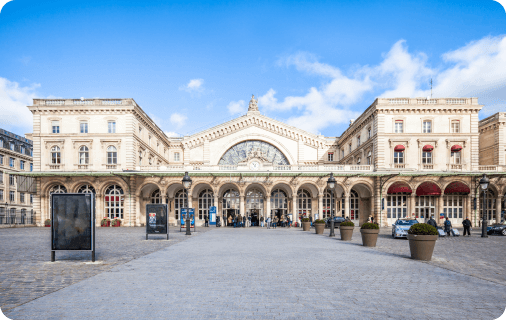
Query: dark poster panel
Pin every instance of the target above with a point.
(156, 219)
(72, 216)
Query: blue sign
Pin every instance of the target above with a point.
(212, 215)
(183, 216)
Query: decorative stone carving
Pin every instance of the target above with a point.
(253, 104)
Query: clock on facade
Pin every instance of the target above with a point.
(254, 165)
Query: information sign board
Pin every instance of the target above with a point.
(192, 216)
(157, 219)
(73, 222)
(212, 215)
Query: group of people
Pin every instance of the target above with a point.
(448, 228)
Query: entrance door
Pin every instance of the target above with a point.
(254, 217)
(231, 216)
(425, 207)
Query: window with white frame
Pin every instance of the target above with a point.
(111, 126)
(330, 156)
(12, 146)
(12, 162)
(21, 165)
(1, 143)
(358, 141)
(1, 195)
(31, 166)
(1, 177)
(55, 155)
(112, 155)
(114, 200)
(21, 197)
(181, 201)
(455, 157)
(83, 127)
(1, 159)
(84, 155)
(12, 196)
(427, 157)
(455, 126)
(176, 156)
(12, 180)
(55, 126)
(31, 198)
(427, 126)
(398, 157)
(398, 126)
(369, 158)
(22, 150)
(206, 200)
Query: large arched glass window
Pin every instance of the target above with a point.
(230, 200)
(490, 207)
(112, 155)
(354, 202)
(326, 204)
(84, 155)
(86, 188)
(55, 155)
(180, 201)
(206, 200)
(155, 196)
(114, 201)
(304, 203)
(255, 200)
(58, 189)
(257, 148)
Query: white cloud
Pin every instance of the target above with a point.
(236, 107)
(478, 69)
(178, 120)
(195, 85)
(14, 99)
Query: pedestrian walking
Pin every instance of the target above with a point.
(467, 226)
(262, 222)
(432, 222)
(275, 224)
(448, 227)
(311, 220)
(206, 219)
(244, 221)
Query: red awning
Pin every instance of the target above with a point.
(428, 189)
(427, 148)
(456, 148)
(457, 187)
(399, 148)
(399, 187)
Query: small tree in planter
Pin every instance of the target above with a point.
(319, 226)
(116, 222)
(306, 225)
(346, 230)
(422, 240)
(47, 223)
(369, 233)
(106, 222)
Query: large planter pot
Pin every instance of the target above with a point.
(47, 225)
(118, 224)
(346, 233)
(106, 224)
(369, 237)
(306, 226)
(319, 227)
(421, 246)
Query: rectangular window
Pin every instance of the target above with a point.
(399, 157)
(369, 133)
(427, 126)
(83, 127)
(21, 165)
(330, 156)
(398, 126)
(1, 159)
(350, 148)
(55, 124)
(176, 156)
(111, 127)
(427, 157)
(31, 166)
(12, 196)
(31, 198)
(342, 153)
(455, 126)
(358, 141)
(11, 162)
(21, 198)
(1, 177)
(12, 145)
(1, 195)
(12, 180)
(455, 157)
(1, 143)
(22, 150)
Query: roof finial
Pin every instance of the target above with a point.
(253, 104)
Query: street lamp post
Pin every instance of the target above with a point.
(187, 182)
(484, 181)
(331, 184)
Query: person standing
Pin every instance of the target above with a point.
(432, 222)
(448, 227)
(467, 226)
(206, 219)
(244, 221)
(262, 221)
(275, 222)
(311, 220)
(268, 221)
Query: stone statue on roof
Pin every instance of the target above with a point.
(253, 104)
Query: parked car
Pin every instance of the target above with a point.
(337, 220)
(497, 229)
(400, 227)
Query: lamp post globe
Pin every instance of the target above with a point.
(187, 183)
(484, 182)
(331, 184)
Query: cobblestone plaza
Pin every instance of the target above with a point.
(249, 273)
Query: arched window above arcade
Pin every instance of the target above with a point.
(252, 148)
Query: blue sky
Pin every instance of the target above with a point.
(190, 65)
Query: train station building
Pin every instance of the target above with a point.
(402, 157)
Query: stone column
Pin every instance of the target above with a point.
(172, 211)
(411, 207)
(242, 210)
(439, 208)
(268, 207)
(295, 212)
(99, 208)
(498, 208)
(320, 207)
(347, 205)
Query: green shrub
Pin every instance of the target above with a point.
(369, 225)
(347, 224)
(423, 229)
(305, 219)
(116, 222)
(319, 221)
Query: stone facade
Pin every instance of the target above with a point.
(402, 157)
